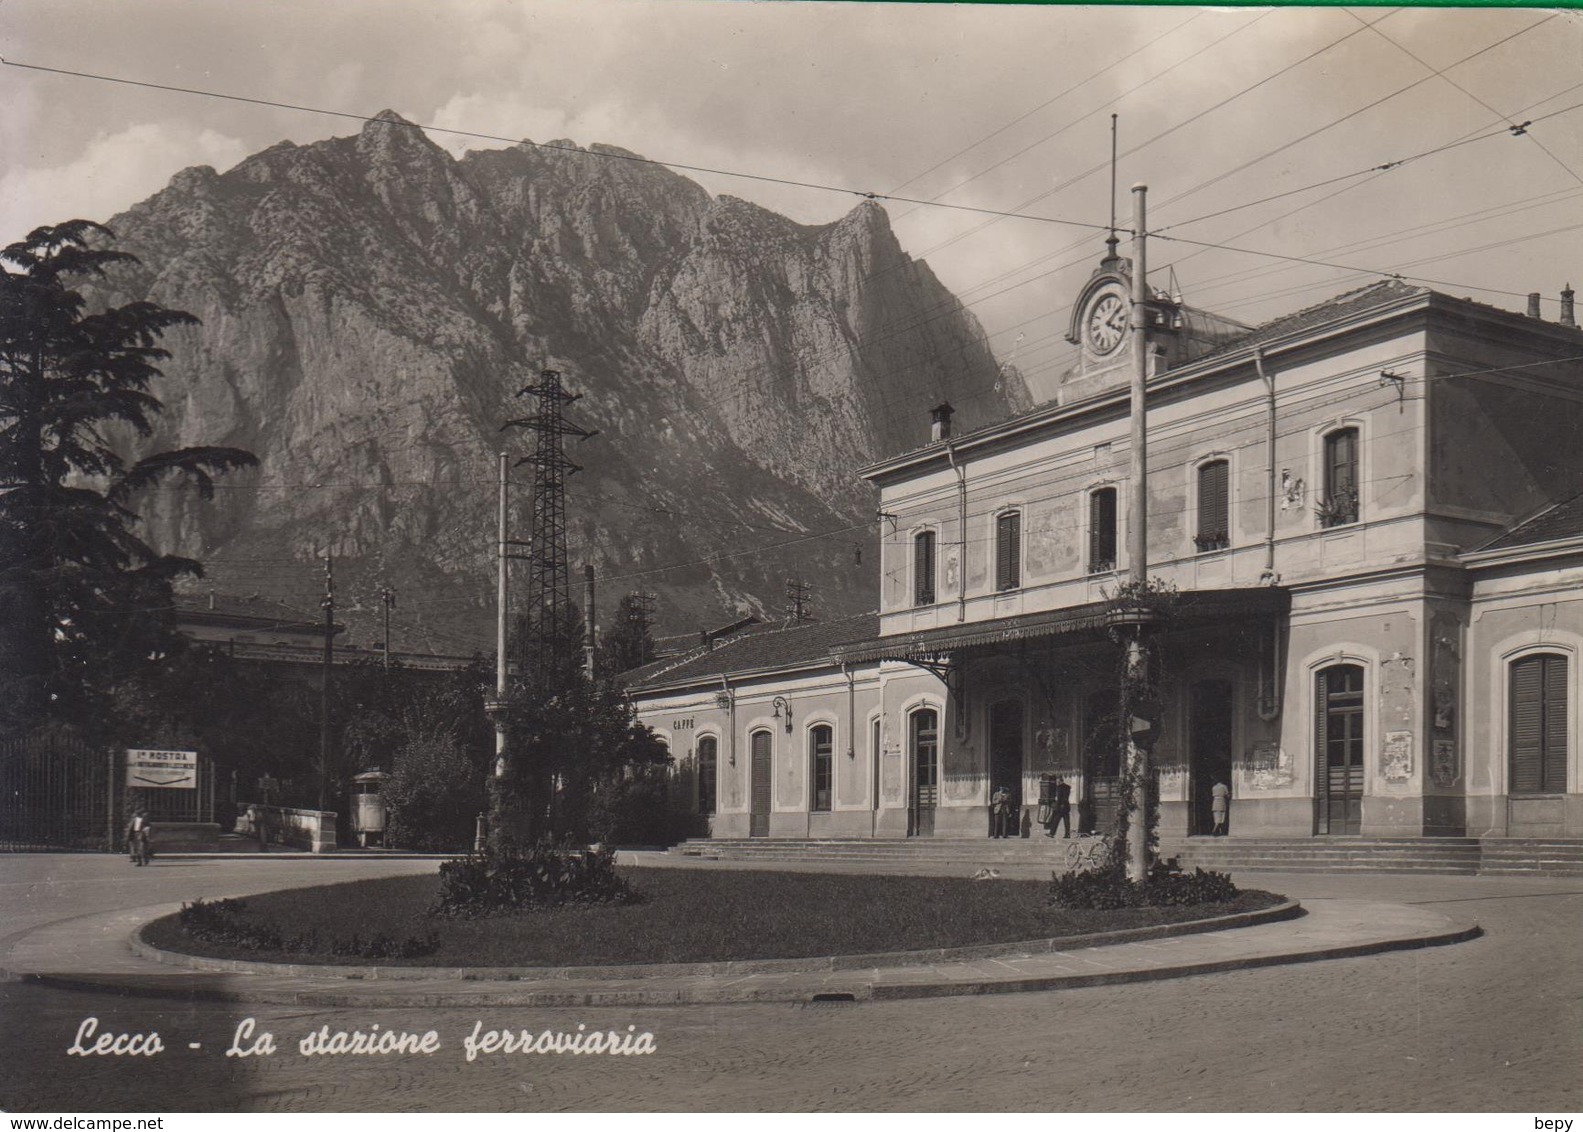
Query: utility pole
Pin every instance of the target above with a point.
(798, 597)
(328, 604)
(547, 649)
(590, 647)
(387, 598)
(1137, 753)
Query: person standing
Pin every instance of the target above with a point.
(1220, 807)
(1063, 807)
(137, 836)
(1000, 812)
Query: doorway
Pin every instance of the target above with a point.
(759, 812)
(1338, 777)
(1096, 809)
(925, 745)
(1209, 751)
(1005, 754)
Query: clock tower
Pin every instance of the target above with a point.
(1101, 326)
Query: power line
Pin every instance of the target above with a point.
(605, 154)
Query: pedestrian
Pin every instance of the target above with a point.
(137, 829)
(1000, 812)
(1061, 812)
(1220, 806)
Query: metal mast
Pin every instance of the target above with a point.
(548, 645)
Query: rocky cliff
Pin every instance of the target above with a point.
(371, 306)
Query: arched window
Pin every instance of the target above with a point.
(1008, 550)
(1214, 506)
(1340, 503)
(708, 769)
(821, 744)
(1538, 730)
(1102, 530)
(923, 568)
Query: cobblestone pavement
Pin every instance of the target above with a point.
(1495, 1024)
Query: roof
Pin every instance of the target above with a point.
(255, 610)
(1562, 520)
(811, 643)
(1195, 607)
(1345, 305)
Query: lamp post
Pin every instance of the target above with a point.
(1137, 755)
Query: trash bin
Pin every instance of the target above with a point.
(368, 807)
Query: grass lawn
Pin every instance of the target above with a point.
(691, 916)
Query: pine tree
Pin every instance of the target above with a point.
(80, 592)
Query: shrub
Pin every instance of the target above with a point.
(1109, 888)
(433, 796)
(483, 884)
(631, 811)
(220, 921)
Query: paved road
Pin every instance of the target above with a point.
(1491, 1025)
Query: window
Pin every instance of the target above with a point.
(1008, 550)
(1340, 503)
(708, 759)
(1214, 506)
(923, 568)
(1538, 725)
(821, 740)
(1102, 531)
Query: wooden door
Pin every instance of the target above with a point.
(759, 816)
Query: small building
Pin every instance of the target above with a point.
(1367, 521)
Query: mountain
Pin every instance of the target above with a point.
(371, 307)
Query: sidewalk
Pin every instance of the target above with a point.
(94, 952)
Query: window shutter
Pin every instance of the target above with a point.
(1008, 551)
(1527, 724)
(1322, 749)
(1553, 768)
(1213, 502)
(923, 568)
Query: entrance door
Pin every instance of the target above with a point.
(925, 771)
(1096, 808)
(759, 817)
(1005, 753)
(1209, 750)
(1338, 778)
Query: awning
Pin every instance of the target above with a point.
(1194, 608)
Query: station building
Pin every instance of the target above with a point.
(1368, 515)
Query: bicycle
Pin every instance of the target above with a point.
(1088, 852)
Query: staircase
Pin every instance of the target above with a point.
(1441, 856)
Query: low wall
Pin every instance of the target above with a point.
(313, 830)
(184, 836)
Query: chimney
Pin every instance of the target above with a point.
(940, 421)
(1533, 304)
(1567, 317)
(704, 641)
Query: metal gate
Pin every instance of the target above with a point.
(59, 792)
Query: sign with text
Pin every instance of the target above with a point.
(172, 770)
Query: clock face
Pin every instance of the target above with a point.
(1106, 324)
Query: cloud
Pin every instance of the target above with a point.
(112, 172)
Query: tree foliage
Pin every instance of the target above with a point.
(82, 595)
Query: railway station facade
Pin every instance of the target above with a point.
(1366, 517)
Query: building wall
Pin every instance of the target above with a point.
(1050, 477)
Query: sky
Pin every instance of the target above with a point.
(966, 111)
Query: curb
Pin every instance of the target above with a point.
(1287, 910)
(852, 990)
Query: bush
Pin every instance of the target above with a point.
(631, 811)
(1109, 888)
(484, 884)
(433, 796)
(221, 921)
